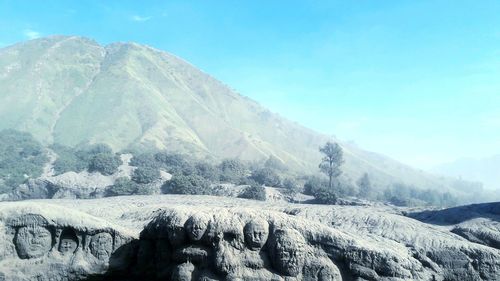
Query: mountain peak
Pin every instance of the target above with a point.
(71, 90)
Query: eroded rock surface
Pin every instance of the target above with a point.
(210, 238)
(45, 242)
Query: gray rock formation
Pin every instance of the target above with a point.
(44, 242)
(200, 238)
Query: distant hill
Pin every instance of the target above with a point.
(485, 170)
(71, 90)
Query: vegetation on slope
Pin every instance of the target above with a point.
(155, 99)
(21, 158)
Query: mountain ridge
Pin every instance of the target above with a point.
(485, 170)
(71, 90)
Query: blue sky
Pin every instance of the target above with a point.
(416, 80)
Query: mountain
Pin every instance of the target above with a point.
(71, 90)
(485, 170)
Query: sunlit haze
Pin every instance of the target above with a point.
(415, 80)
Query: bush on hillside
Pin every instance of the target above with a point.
(313, 184)
(266, 176)
(144, 160)
(255, 192)
(174, 163)
(125, 186)
(233, 171)
(325, 196)
(104, 163)
(88, 151)
(145, 175)
(318, 188)
(122, 186)
(191, 184)
(343, 188)
(207, 171)
(291, 185)
(67, 160)
(21, 157)
(77, 159)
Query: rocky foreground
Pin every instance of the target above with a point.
(171, 237)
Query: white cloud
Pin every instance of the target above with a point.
(140, 18)
(31, 34)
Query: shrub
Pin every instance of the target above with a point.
(207, 171)
(67, 160)
(122, 186)
(104, 163)
(233, 171)
(325, 196)
(21, 157)
(144, 160)
(87, 152)
(255, 192)
(313, 184)
(266, 177)
(174, 163)
(77, 160)
(145, 175)
(344, 188)
(291, 185)
(191, 184)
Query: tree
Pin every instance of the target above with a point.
(144, 160)
(21, 157)
(145, 175)
(291, 185)
(266, 176)
(67, 160)
(192, 184)
(331, 162)
(88, 151)
(232, 170)
(313, 184)
(255, 192)
(208, 171)
(175, 163)
(325, 196)
(122, 186)
(365, 186)
(104, 163)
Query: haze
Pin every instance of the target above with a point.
(416, 81)
(249, 140)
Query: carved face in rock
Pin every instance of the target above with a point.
(33, 241)
(68, 242)
(196, 226)
(101, 245)
(256, 233)
(288, 251)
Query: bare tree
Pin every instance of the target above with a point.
(332, 160)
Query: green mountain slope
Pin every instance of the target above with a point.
(71, 90)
